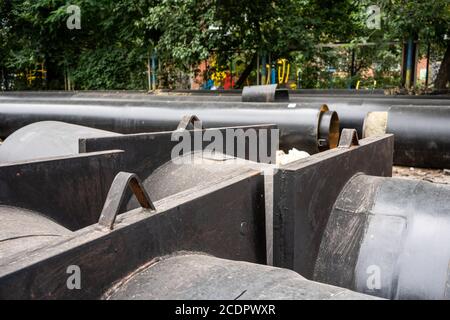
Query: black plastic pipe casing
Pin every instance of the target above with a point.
(422, 136)
(388, 237)
(299, 126)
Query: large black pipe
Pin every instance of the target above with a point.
(265, 93)
(45, 140)
(192, 276)
(390, 238)
(422, 135)
(429, 151)
(186, 97)
(220, 95)
(23, 229)
(351, 109)
(299, 127)
(351, 112)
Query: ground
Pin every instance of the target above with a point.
(432, 175)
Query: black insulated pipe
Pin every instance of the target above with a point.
(195, 276)
(299, 126)
(23, 229)
(422, 135)
(46, 139)
(228, 95)
(390, 238)
(266, 93)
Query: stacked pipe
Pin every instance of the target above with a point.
(183, 275)
(417, 143)
(376, 224)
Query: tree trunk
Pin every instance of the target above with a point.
(246, 73)
(444, 71)
(2, 82)
(5, 78)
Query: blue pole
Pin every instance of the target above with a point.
(273, 76)
(154, 70)
(263, 71)
(409, 64)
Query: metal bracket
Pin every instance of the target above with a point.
(193, 120)
(116, 195)
(322, 142)
(349, 138)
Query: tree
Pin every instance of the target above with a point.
(192, 30)
(111, 35)
(428, 21)
(117, 37)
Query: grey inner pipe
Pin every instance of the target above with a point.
(196, 276)
(390, 238)
(191, 170)
(22, 229)
(46, 139)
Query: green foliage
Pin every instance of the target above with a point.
(183, 26)
(109, 68)
(112, 48)
(428, 20)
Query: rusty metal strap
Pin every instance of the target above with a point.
(116, 195)
(349, 138)
(191, 119)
